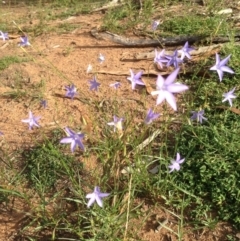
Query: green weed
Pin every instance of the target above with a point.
(23, 89)
(43, 165)
(191, 25)
(5, 62)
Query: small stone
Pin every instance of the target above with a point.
(225, 11)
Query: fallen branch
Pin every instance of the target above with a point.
(234, 110)
(126, 73)
(4, 45)
(147, 141)
(112, 4)
(168, 41)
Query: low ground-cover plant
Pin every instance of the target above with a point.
(212, 170)
(5, 62)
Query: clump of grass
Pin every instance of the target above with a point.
(44, 165)
(23, 89)
(74, 7)
(128, 16)
(61, 181)
(113, 20)
(191, 25)
(5, 62)
(212, 170)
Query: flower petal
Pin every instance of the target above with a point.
(181, 161)
(99, 201)
(177, 88)
(90, 202)
(79, 143)
(170, 99)
(66, 140)
(73, 145)
(227, 69)
(217, 59)
(171, 78)
(133, 85)
(178, 157)
(156, 92)
(90, 195)
(139, 82)
(103, 195)
(161, 97)
(213, 67)
(160, 82)
(25, 120)
(220, 74)
(224, 61)
(138, 75)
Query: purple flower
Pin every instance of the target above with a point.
(24, 41)
(185, 51)
(71, 91)
(101, 58)
(155, 24)
(32, 121)
(166, 88)
(1, 133)
(151, 116)
(43, 103)
(4, 36)
(220, 66)
(198, 115)
(229, 96)
(115, 85)
(160, 57)
(74, 138)
(94, 84)
(135, 79)
(97, 196)
(117, 123)
(176, 163)
(173, 59)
